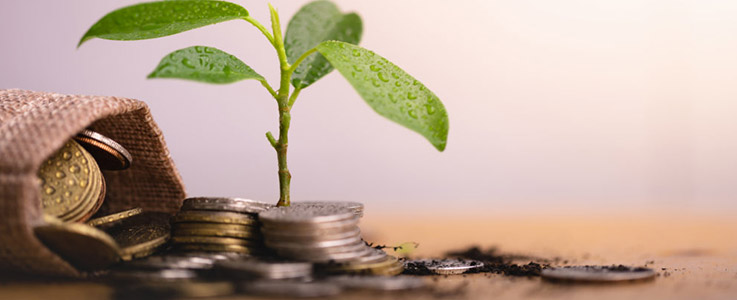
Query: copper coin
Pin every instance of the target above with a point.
(109, 154)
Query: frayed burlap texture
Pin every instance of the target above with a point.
(33, 125)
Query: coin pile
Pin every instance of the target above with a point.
(219, 225)
(326, 233)
(73, 189)
(228, 266)
(264, 269)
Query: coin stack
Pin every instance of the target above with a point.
(325, 233)
(219, 225)
(355, 207)
(72, 185)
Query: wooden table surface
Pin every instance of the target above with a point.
(696, 257)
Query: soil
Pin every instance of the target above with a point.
(497, 263)
(493, 263)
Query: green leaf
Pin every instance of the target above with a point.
(390, 91)
(156, 19)
(313, 24)
(204, 64)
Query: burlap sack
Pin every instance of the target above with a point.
(33, 125)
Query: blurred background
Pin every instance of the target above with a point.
(555, 107)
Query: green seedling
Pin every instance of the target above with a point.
(318, 39)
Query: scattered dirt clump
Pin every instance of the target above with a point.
(502, 263)
(416, 268)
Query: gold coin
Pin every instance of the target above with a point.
(116, 217)
(141, 235)
(210, 240)
(98, 203)
(69, 181)
(392, 270)
(220, 248)
(90, 206)
(394, 267)
(89, 196)
(216, 226)
(200, 216)
(217, 230)
(368, 267)
(83, 246)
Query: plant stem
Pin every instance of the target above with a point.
(261, 28)
(294, 96)
(285, 118)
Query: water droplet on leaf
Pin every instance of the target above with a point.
(187, 63)
(375, 82)
(383, 77)
(430, 109)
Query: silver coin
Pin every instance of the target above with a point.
(265, 269)
(305, 215)
(319, 244)
(335, 254)
(598, 273)
(108, 153)
(287, 235)
(225, 204)
(171, 262)
(214, 256)
(218, 217)
(291, 289)
(447, 266)
(353, 247)
(151, 275)
(355, 207)
(374, 255)
(379, 283)
(312, 229)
